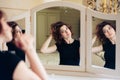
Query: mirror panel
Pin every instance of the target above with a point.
(99, 58)
(96, 62)
(72, 14)
(51, 15)
(21, 23)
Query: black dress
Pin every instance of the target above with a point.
(69, 53)
(13, 49)
(8, 63)
(109, 49)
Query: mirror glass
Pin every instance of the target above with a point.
(44, 18)
(103, 43)
(21, 23)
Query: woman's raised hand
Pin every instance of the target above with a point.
(24, 41)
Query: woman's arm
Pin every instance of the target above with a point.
(96, 49)
(93, 40)
(45, 47)
(35, 63)
(25, 42)
(22, 72)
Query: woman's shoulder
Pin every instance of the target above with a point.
(77, 41)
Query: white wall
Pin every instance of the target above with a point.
(16, 7)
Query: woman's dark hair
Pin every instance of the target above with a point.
(2, 14)
(13, 25)
(55, 28)
(100, 33)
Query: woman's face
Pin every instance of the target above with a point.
(65, 32)
(6, 30)
(17, 30)
(108, 31)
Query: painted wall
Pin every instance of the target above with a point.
(19, 4)
(17, 7)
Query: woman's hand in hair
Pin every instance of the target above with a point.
(94, 39)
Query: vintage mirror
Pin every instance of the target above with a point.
(98, 58)
(51, 15)
(47, 13)
(97, 61)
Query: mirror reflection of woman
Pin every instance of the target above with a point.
(11, 46)
(106, 33)
(67, 47)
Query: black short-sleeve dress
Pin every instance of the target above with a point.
(8, 63)
(109, 49)
(69, 53)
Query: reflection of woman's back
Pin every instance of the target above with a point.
(69, 53)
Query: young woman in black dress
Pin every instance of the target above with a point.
(106, 33)
(67, 47)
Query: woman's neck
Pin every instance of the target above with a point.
(3, 46)
(113, 40)
(69, 40)
(1, 42)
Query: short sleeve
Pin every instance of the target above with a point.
(8, 63)
(13, 61)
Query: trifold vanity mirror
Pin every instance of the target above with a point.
(83, 22)
(44, 18)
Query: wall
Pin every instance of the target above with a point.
(76, 1)
(17, 7)
(19, 4)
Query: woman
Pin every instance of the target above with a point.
(11, 66)
(11, 46)
(106, 33)
(67, 47)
